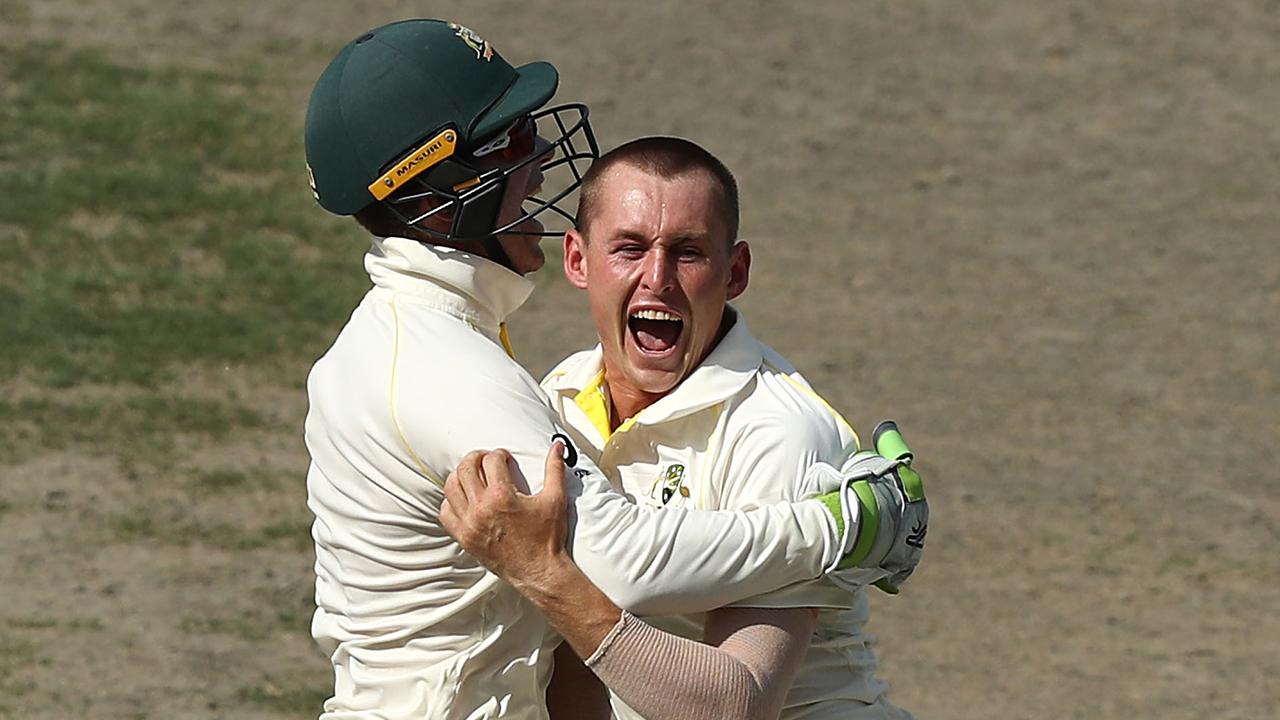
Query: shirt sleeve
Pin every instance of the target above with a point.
(764, 464)
(647, 560)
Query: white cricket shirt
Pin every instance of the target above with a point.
(414, 627)
(738, 433)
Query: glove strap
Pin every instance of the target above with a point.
(868, 525)
(890, 444)
(832, 501)
(886, 587)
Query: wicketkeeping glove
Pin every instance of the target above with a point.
(881, 513)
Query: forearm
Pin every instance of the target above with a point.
(669, 561)
(522, 539)
(578, 610)
(663, 676)
(666, 677)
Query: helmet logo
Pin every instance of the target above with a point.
(475, 42)
(311, 179)
(423, 157)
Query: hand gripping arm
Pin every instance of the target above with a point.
(745, 674)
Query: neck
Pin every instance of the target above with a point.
(626, 402)
(489, 247)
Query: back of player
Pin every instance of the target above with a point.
(414, 626)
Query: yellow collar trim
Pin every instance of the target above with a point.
(505, 339)
(593, 401)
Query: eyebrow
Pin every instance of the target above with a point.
(630, 234)
(691, 238)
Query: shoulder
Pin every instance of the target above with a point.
(774, 431)
(446, 387)
(568, 368)
(782, 401)
(475, 376)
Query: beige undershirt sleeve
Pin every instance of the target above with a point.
(747, 675)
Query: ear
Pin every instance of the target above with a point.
(575, 259)
(739, 268)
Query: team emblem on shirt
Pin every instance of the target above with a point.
(672, 480)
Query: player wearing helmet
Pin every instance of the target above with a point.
(422, 126)
(424, 133)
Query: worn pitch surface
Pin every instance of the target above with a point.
(1041, 236)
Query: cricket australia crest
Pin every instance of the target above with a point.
(671, 481)
(475, 42)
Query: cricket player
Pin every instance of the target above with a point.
(682, 408)
(430, 139)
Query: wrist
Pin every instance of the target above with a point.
(581, 613)
(553, 579)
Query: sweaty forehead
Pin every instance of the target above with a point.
(634, 200)
(640, 201)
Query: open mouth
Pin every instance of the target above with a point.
(655, 331)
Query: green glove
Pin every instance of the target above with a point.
(890, 443)
(881, 513)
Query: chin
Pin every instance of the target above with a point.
(655, 381)
(529, 261)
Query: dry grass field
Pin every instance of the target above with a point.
(1045, 237)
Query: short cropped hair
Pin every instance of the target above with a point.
(666, 157)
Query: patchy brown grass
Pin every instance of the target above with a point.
(1040, 237)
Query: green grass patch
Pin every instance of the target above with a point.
(218, 480)
(144, 523)
(275, 610)
(1049, 538)
(16, 653)
(14, 11)
(301, 701)
(1177, 562)
(39, 622)
(32, 623)
(243, 627)
(157, 217)
(206, 482)
(141, 427)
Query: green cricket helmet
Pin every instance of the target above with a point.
(426, 117)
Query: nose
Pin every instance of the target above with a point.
(541, 144)
(542, 150)
(659, 271)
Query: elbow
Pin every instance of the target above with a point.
(750, 699)
(757, 707)
(745, 700)
(731, 692)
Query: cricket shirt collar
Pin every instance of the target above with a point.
(474, 288)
